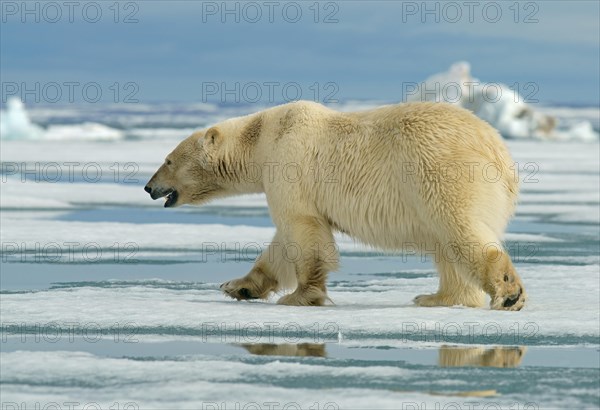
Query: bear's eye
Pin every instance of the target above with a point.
(168, 162)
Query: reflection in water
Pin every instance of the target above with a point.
(301, 349)
(449, 356)
(481, 357)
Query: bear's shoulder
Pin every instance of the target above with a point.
(303, 107)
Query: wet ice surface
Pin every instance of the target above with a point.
(139, 319)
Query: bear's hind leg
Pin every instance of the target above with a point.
(454, 289)
(480, 261)
(501, 281)
(489, 265)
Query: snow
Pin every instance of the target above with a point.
(191, 347)
(381, 307)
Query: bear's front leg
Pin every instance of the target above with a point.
(271, 272)
(312, 249)
(255, 285)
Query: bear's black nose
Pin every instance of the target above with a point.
(148, 189)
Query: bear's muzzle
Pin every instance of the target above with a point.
(170, 194)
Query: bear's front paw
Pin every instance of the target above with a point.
(507, 293)
(239, 289)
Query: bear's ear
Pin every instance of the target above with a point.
(212, 138)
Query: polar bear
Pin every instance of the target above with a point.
(426, 176)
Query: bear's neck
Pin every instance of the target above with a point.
(242, 171)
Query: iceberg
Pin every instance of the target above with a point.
(15, 124)
(498, 104)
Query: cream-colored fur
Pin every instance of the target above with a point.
(479, 357)
(497, 356)
(425, 176)
(286, 349)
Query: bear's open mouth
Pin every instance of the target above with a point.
(171, 198)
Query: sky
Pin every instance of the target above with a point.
(214, 51)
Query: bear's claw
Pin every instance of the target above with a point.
(516, 301)
(503, 284)
(237, 293)
(511, 300)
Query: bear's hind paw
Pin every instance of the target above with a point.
(515, 301)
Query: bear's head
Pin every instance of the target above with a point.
(193, 172)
